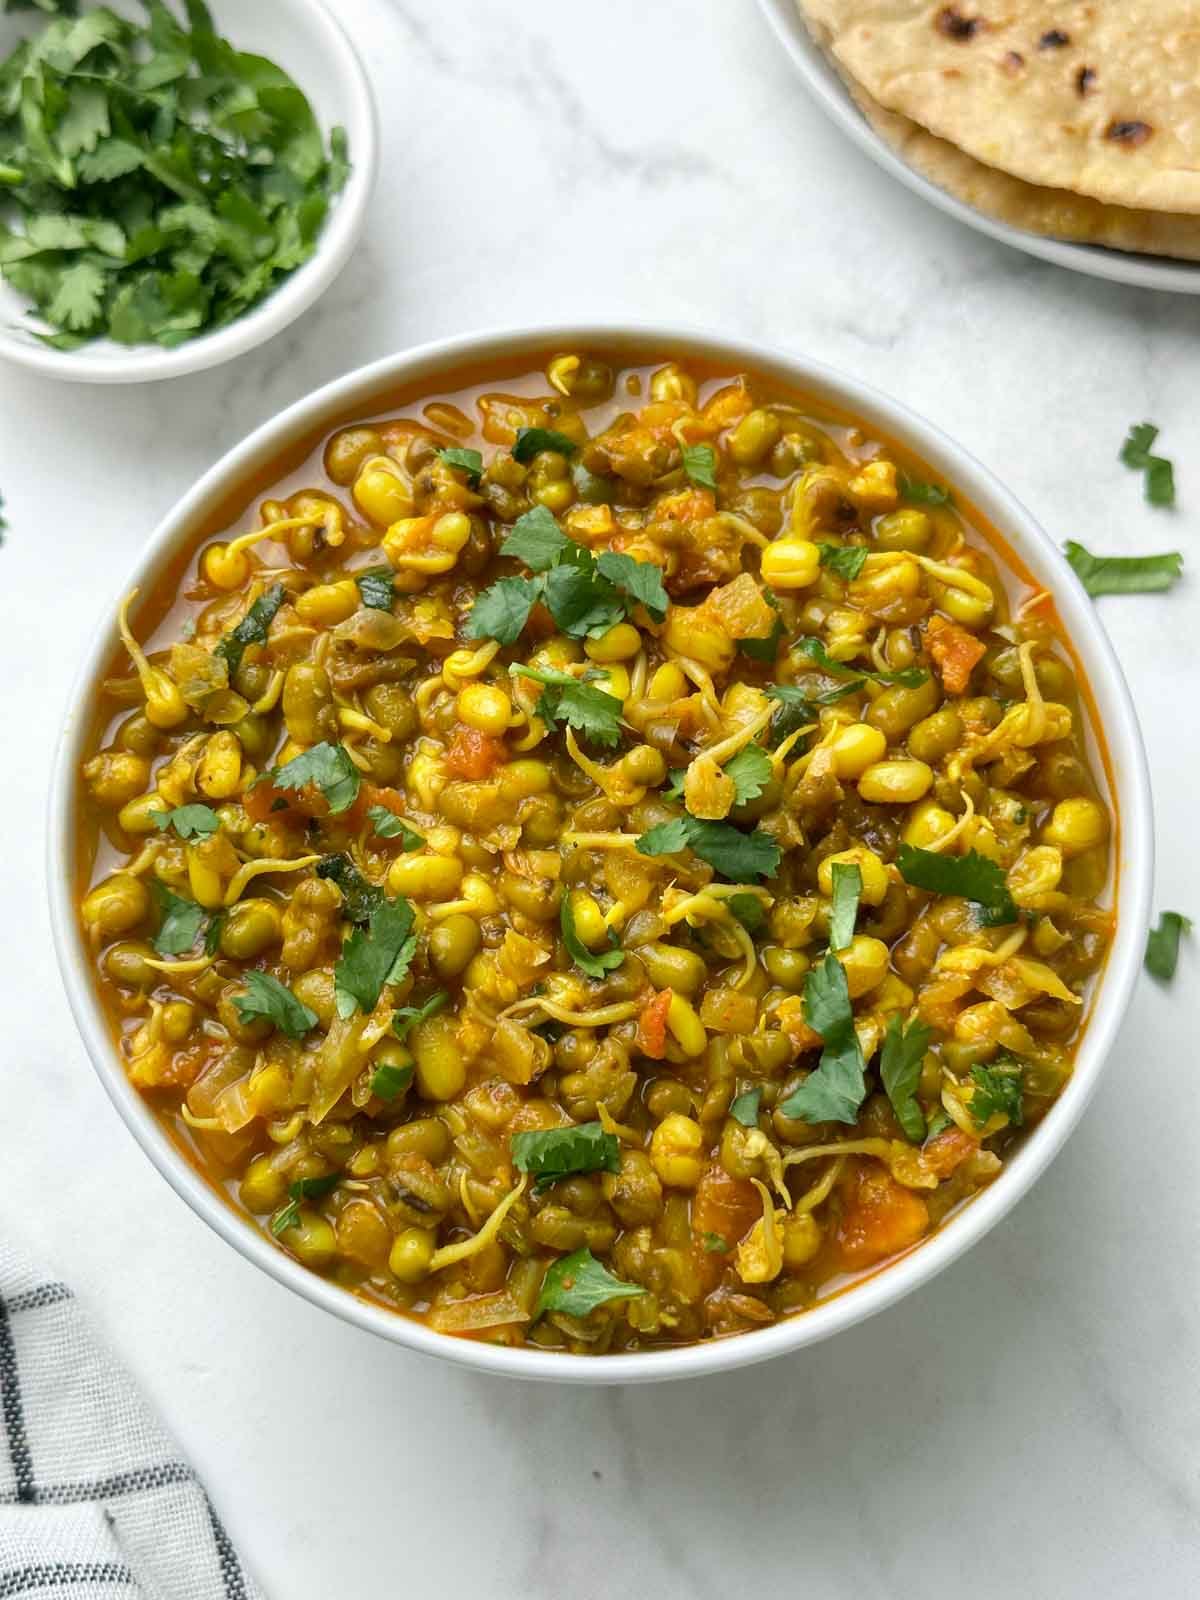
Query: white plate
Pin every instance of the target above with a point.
(308, 43)
(1119, 266)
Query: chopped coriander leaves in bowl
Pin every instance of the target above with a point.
(177, 182)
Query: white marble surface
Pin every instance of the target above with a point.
(1027, 1425)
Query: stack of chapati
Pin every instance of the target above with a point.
(1080, 121)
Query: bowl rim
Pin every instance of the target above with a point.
(1097, 261)
(340, 233)
(369, 384)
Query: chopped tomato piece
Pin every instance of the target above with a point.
(263, 802)
(956, 653)
(881, 1218)
(689, 505)
(725, 1206)
(652, 1027)
(473, 754)
(947, 1150)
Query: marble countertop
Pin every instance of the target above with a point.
(1025, 1425)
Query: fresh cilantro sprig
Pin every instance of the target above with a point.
(302, 1189)
(189, 822)
(266, 997)
(590, 711)
(797, 706)
(253, 627)
(766, 650)
(922, 493)
(388, 825)
(377, 586)
(1137, 452)
(847, 887)
(845, 560)
(468, 461)
(1162, 944)
(907, 677)
(577, 1284)
(327, 767)
(163, 181)
(594, 963)
(549, 1154)
(359, 898)
(838, 1086)
(744, 1108)
(180, 922)
(974, 877)
(405, 1018)
(998, 1090)
(388, 1080)
(900, 1072)
(373, 956)
(751, 771)
(532, 441)
(740, 857)
(700, 465)
(1124, 574)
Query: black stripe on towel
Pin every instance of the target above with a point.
(46, 1294)
(54, 1574)
(12, 1412)
(231, 1568)
(137, 1480)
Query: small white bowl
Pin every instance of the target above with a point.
(308, 43)
(827, 89)
(370, 390)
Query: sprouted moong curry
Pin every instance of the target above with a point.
(593, 865)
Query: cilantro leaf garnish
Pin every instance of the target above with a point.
(798, 706)
(531, 441)
(974, 877)
(266, 997)
(700, 465)
(741, 857)
(744, 1108)
(181, 921)
(388, 1081)
(252, 629)
(377, 586)
(553, 1153)
(748, 909)
(580, 600)
(502, 610)
(1124, 574)
(165, 182)
(468, 461)
(1162, 944)
(838, 1086)
(329, 768)
(638, 581)
(847, 887)
(998, 1089)
(1159, 472)
(900, 1071)
(751, 771)
(536, 539)
(765, 649)
(590, 711)
(388, 825)
(405, 1018)
(302, 1189)
(715, 1245)
(359, 898)
(577, 1284)
(189, 822)
(594, 964)
(374, 956)
(908, 677)
(938, 1123)
(844, 560)
(923, 494)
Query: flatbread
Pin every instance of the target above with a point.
(1055, 213)
(1101, 97)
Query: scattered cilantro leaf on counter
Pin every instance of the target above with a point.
(377, 587)
(373, 956)
(553, 1153)
(181, 921)
(923, 494)
(594, 964)
(908, 677)
(590, 711)
(1159, 473)
(1124, 574)
(163, 181)
(189, 822)
(847, 888)
(577, 1284)
(253, 627)
(740, 857)
(837, 1087)
(998, 1089)
(972, 876)
(844, 560)
(405, 1018)
(751, 771)
(700, 465)
(388, 825)
(266, 997)
(329, 768)
(359, 898)
(900, 1071)
(1162, 944)
(744, 1108)
(388, 1081)
(468, 461)
(531, 441)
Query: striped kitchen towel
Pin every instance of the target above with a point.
(95, 1501)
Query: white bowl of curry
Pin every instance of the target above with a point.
(600, 854)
